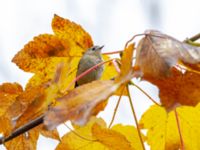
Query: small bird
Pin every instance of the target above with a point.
(91, 58)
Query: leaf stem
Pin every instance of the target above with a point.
(80, 136)
(133, 39)
(193, 38)
(23, 129)
(135, 117)
(115, 63)
(116, 107)
(139, 88)
(182, 147)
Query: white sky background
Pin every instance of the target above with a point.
(110, 23)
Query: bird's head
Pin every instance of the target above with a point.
(94, 50)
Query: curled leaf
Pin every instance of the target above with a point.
(158, 52)
(79, 104)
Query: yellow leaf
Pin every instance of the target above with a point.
(85, 140)
(110, 138)
(126, 67)
(126, 61)
(131, 134)
(42, 55)
(76, 36)
(163, 131)
(109, 70)
(95, 136)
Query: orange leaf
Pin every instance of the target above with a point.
(26, 141)
(126, 61)
(39, 103)
(8, 95)
(109, 69)
(178, 88)
(126, 67)
(42, 55)
(42, 46)
(70, 31)
(11, 88)
(6, 125)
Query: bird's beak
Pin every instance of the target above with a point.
(101, 47)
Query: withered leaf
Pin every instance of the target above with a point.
(79, 104)
(158, 52)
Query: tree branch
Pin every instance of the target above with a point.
(23, 129)
(193, 38)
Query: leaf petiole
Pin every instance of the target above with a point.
(135, 117)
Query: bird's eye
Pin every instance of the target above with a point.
(93, 48)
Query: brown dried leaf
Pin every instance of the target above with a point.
(79, 104)
(158, 52)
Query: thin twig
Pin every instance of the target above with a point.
(80, 136)
(135, 117)
(133, 39)
(116, 107)
(116, 66)
(179, 130)
(193, 38)
(139, 88)
(23, 129)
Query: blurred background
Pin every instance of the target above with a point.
(111, 23)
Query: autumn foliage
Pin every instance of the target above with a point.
(171, 65)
